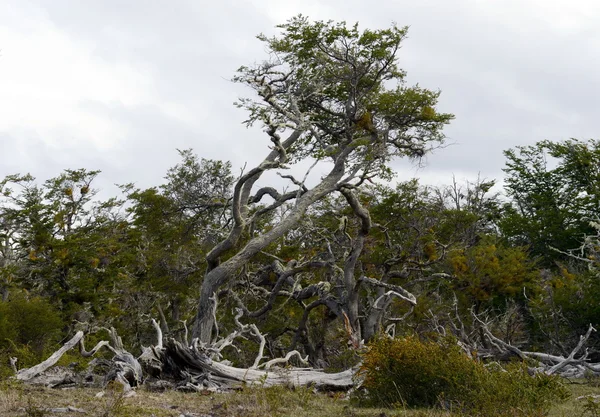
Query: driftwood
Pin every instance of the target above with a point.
(124, 368)
(27, 374)
(193, 366)
(171, 364)
(196, 368)
(575, 365)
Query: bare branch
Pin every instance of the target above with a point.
(26, 374)
(395, 288)
(286, 359)
(159, 335)
(571, 358)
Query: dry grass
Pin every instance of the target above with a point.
(26, 401)
(575, 406)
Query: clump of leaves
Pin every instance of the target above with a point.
(29, 328)
(512, 391)
(29, 321)
(414, 373)
(409, 372)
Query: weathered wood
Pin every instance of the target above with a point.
(191, 368)
(69, 409)
(569, 366)
(181, 360)
(95, 349)
(571, 358)
(286, 359)
(29, 373)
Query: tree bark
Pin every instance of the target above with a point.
(214, 279)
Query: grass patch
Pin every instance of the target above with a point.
(18, 400)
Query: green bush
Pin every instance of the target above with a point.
(409, 372)
(28, 329)
(512, 391)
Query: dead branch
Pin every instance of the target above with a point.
(549, 364)
(501, 345)
(210, 374)
(159, 334)
(95, 349)
(286, 359)
(398, 290)
(26, 374)
(571, 358)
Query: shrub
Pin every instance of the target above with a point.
(32, 322)
(512, 391)
(414, 373)
(28, 328)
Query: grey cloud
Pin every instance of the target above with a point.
(509, 81)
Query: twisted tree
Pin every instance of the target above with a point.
(335, 96)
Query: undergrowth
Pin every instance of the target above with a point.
(409, 373)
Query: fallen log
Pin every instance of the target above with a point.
(125, 368)
(191, 368)
(193, 365)
(569, 366)
(27, 374)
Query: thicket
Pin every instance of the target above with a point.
(30, 327)
(410, 372)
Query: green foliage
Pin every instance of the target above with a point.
(341, 94)
(512, 391)
(31, 322)
(566, 307)
(327, 66)
(67, 244)
(172, 229)
(492, 272)
(551, 205)
(29, 329)
(414, 373)
(409, 372)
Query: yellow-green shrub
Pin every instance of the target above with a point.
(512, 391)
(29, 327)
(411, 372)
(414, 373)
(29, 321)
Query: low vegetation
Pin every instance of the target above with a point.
(18, 400)
(408, 372)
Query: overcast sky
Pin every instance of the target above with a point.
(119, 85)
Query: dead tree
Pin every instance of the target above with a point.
(193, 367)
(576, 364)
